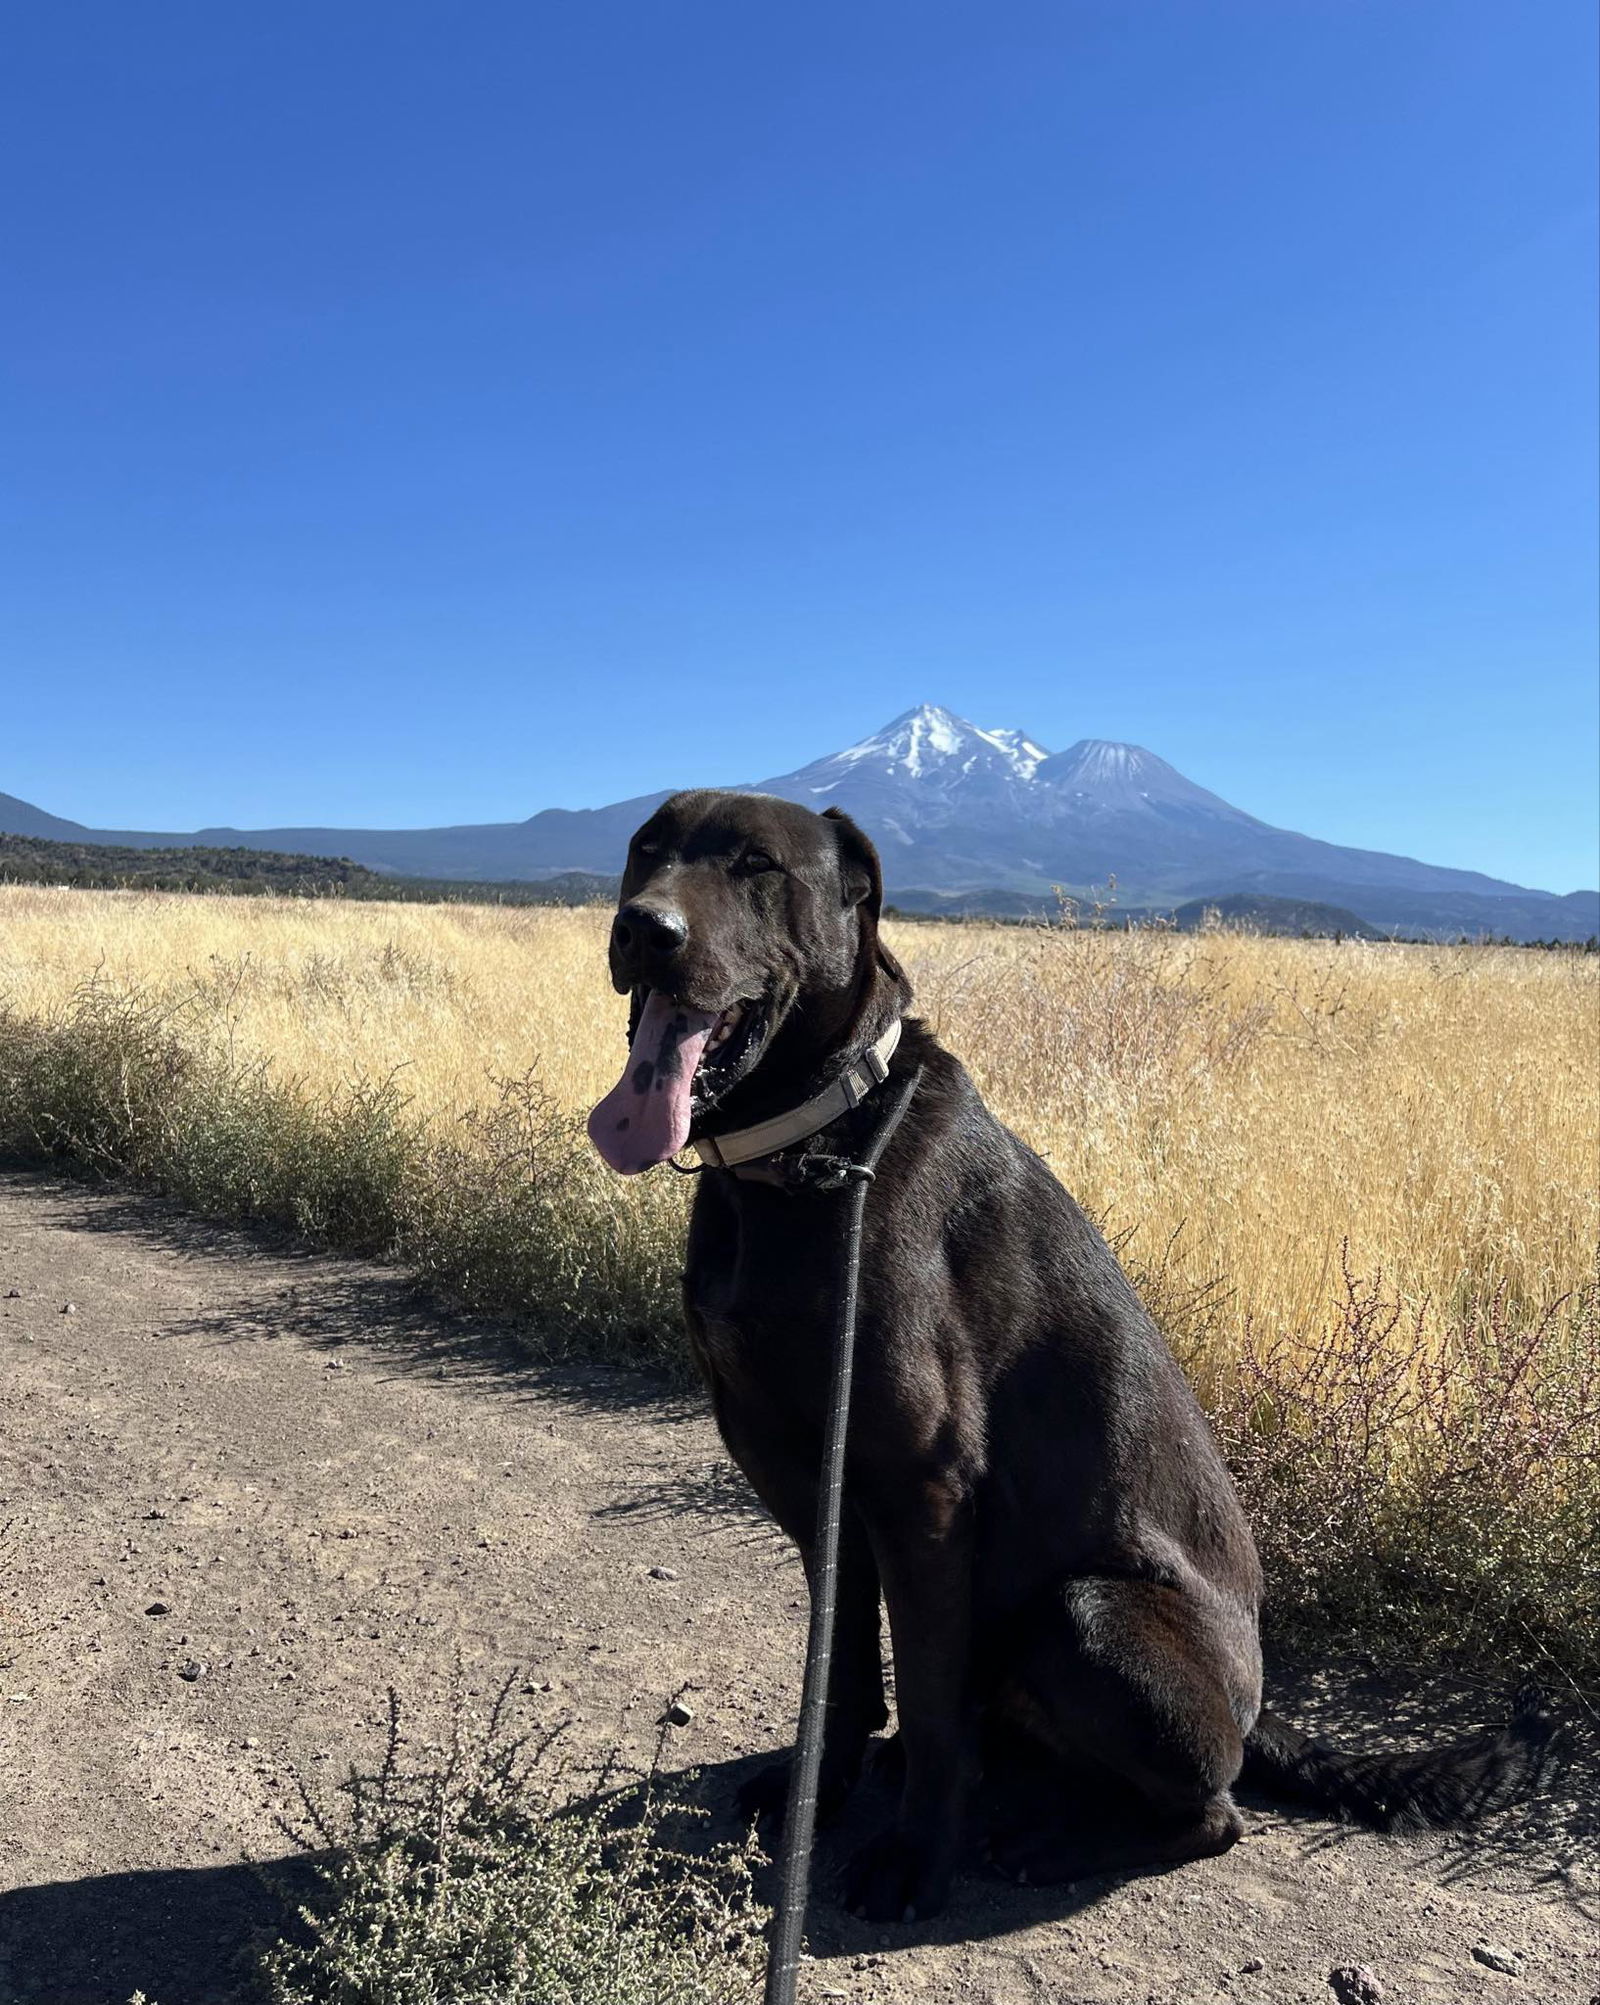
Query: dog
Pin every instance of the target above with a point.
(1032, 1490)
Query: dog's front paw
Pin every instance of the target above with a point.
(897, 1878)
(764, 1799)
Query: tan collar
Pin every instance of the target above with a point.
(744, 1145)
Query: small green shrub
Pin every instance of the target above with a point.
(115, 1085)
(1426, 1482)
(97, 1086)
(479, 1876)
(513, 1212)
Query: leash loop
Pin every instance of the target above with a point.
(800, 1818)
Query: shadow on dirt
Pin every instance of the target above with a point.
(1548, 1846)
(710, 1499)
(186, 1937)
(1548, 1849)
(183, 1937)
(332, 1300)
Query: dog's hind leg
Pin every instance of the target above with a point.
(1133, 1686)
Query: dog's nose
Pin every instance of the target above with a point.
(649, 932)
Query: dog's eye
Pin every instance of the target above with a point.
(757, 859)
(647, 849)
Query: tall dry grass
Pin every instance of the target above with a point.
(1242, 1108)
(1261, 1109)
(1358, 1181)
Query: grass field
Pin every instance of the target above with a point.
(1358, 1181)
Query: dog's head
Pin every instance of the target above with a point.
(747, 937)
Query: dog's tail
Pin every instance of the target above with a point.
(1405, 1792)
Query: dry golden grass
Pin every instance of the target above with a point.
(1264, 1127)
(1241, 1107)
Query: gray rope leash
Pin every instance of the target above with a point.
(800, 1817)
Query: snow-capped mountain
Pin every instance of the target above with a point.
(926, 768)
(930, 766)
(1103, 777)
(955, 808)
(978, 814)
(934, 746)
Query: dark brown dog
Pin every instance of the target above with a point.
(1031, 1486)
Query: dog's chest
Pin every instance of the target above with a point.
(763, 1296)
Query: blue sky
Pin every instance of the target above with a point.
(423, 414)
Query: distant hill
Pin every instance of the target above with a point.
(265, 873)
(1296, 917)
(19, 818)
(978, 817)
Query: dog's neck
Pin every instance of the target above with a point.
(745, 1150)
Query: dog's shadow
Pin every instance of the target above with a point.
(184, 1935)
(982, 1902)
(1545, 1848)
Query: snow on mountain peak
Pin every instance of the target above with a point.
(1102, 759)
(930, 763)
(930, 740)
(1020, 748)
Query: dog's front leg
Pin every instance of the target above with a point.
(855, 1689)
(925, 1560)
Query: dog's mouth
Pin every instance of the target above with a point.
(735, 1043)
(681, 1061)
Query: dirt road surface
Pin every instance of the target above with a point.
(330, 1489)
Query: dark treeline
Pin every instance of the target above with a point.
(265, 873)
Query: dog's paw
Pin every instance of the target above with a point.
(886, 1761)
(897, 1878)
(764, 1799)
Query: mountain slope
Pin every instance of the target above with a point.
(960, 810)
(19, 818)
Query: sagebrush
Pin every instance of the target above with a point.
(483, 1869)
(480, 1869)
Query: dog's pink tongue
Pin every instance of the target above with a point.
(644, 1119)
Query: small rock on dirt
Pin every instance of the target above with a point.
(1355, 1984)
(1503, 1960)
(1250, 1966)
(191, 1670)
(677, 1715)
(662, 1573)
(158, 1608)
(69, 1308)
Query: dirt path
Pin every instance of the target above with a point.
(330, 1491)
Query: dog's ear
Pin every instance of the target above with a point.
(859, 868)
(862, 877)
